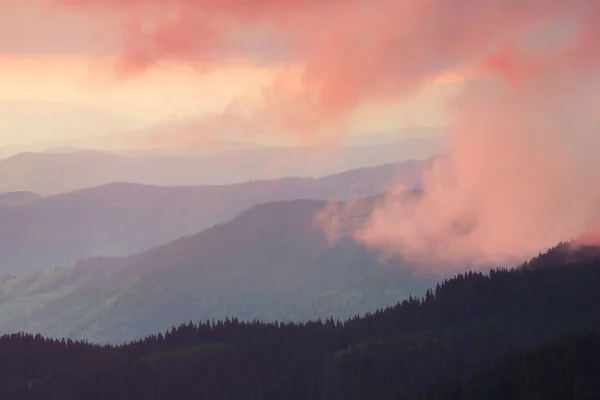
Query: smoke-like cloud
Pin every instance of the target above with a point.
(523, 170)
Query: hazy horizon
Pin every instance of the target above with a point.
(62, 102)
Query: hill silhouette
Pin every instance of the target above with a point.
(121, 219)
(52, 173)
(269, 259)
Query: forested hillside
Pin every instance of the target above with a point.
(269, 262)
(462, 325)
(566, 368)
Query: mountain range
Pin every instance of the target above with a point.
(269, 262)
(82, 128)
(59, 172)
(122, 218)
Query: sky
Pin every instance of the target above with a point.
(515, 83)
(60, 78)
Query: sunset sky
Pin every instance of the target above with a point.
(515, 82)
(161, 94)
(63, 57)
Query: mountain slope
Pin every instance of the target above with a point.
(374, 291)
(122, 219)
(15, 199)
(268, 258)
(465, 324)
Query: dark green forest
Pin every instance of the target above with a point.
(453, 334)
(566, 368)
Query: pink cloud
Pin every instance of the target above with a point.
(523, 171)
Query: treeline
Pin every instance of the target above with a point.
(464, 324)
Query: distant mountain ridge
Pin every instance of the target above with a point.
(53, 173)
(121, 218)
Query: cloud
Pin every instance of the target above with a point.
(522, 173)
(348, 51)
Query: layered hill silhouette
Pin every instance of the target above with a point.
(267, 261)
(56, 172)
(122, 219)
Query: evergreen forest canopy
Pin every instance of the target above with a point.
(441, 346)
(566, 368)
